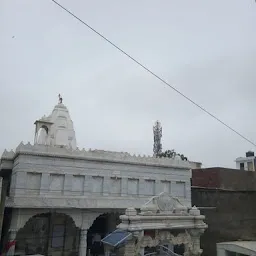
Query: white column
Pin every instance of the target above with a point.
(195, 239)
(11, 242)
(3, 192)
(142, 249)
(83, 242)
(106, 184)
(124, 186)
(44, 183)
(129, 248)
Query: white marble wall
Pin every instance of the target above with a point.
(37, 176)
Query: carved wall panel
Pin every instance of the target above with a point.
(97, 185)
(57, 183)
(33, 183)
(149, 188)
(181, 238)
(133, 187)
(115, 186)
(78, 184)
(166, 186)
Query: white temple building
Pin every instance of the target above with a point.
(56, 129)
(56, 197)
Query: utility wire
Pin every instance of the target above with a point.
(154, 74)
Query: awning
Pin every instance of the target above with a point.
(116, 238)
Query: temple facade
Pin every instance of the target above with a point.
(56, 197)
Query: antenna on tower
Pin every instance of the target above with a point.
(157, 130)
(60, 99)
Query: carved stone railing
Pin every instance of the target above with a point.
(168, 220)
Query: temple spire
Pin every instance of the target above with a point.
(56, 129)
(60, 99)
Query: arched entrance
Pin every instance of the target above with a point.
(48, 234)
(103, 225)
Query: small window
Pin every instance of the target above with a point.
(241, 166)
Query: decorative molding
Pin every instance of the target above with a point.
(95, 155)
(84, 202)
(89, 218)
(181, 238)
(163, 202)
(23, 217)
(81, 219)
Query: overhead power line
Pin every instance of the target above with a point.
(154, 74)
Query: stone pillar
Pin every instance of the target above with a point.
(129, 248)
(195, 233)
(140, 249)
(106, 186)
(195, 249)
(45, 183)
(10, 246)
(83, 242)
(2, 202)
(124, 186)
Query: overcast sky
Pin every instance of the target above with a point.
(205, 48)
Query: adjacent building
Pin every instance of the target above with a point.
(226, 197)
(56, 197)
(239, 248)
(247, 163)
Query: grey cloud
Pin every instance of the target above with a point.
(206, 49)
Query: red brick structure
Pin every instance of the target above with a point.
(230, 195)
(224, 178)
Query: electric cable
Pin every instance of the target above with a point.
(154, 74)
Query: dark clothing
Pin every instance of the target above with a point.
(96, 248)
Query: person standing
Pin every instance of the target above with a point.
(96, 244)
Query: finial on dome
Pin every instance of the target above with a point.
(60, 99)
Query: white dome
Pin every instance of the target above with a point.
(56, 129)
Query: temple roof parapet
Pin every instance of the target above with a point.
(8, 155)
(96, 155)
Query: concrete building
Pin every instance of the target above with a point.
(226, 197)
(247, 163)
(239, 248)
(55, 197)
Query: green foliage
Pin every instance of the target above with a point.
(172, 154)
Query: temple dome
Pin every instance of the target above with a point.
(56, 129)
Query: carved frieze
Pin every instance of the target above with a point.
(181, 238)
(164, 203)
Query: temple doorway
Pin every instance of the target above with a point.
(102, 226)
(48, 234)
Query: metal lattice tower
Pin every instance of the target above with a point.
(157, 130)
